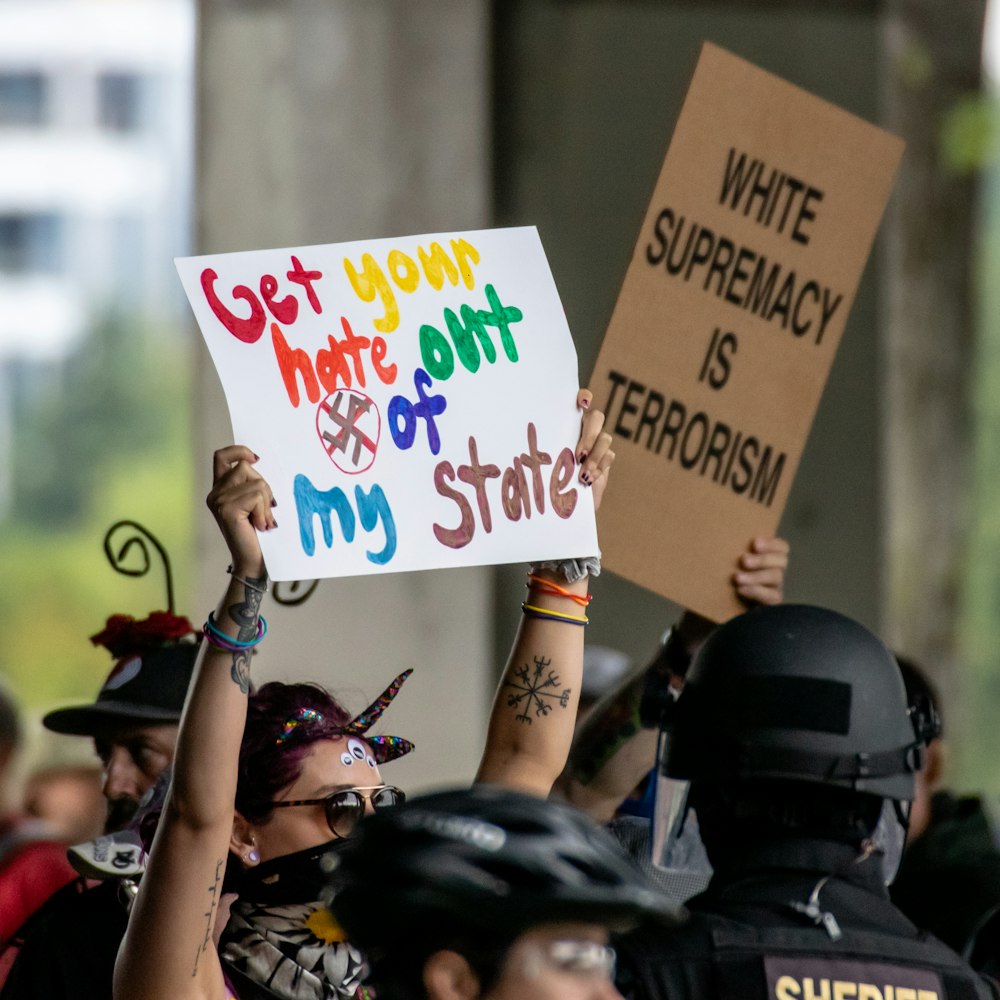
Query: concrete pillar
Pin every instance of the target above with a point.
(932, 63)
(322, 121)
(580, 142)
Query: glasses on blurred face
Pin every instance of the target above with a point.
(580, 958)
(344, 808)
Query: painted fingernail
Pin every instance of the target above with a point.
(582, 457)
(256, 457)
(585, 476)
(585, 404)
(274, 503)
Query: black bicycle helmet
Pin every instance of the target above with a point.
(483, 859)
(796, 693)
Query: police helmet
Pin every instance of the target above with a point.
(490, 861)
(796, 693)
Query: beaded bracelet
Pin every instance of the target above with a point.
(220, 640)
(557, 616)
(548, 587)
(245, 582)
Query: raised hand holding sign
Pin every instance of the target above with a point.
(412, 399)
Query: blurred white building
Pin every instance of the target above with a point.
(95, 171)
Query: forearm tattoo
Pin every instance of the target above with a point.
(214, 891)
(246, 615)
(535, 689)
(604, 734)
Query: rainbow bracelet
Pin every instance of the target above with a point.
(218, 638)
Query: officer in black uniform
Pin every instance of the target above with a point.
(797, 751)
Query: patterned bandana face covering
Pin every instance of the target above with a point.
(280, 937)
(295, 950)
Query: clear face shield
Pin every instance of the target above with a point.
(889, 837)
(677, 845)
(676, 842)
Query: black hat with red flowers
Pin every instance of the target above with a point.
(154, 660)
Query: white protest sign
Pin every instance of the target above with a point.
(412, 400)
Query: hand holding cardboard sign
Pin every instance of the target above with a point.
(760, 578)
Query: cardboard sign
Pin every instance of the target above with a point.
(413, 401)
(728, 321)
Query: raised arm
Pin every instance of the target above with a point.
(168, 949)
(534, 709)
(616, 744)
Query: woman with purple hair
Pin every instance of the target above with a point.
(270, 789)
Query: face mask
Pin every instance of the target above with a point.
(292, 878)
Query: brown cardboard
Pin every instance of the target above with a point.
(682, 503)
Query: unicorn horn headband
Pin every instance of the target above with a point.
(384, 748)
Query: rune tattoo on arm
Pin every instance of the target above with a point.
(535, 689)
(246, 615)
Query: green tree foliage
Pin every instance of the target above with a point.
(104, 437)
(102, 405)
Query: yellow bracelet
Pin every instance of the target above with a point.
(537, 612)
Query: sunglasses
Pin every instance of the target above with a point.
(344, 808)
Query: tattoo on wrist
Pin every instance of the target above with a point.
(245, 615)
(214, 890)
(240, 671)
(535, 688)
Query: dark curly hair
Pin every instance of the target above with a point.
(267, 766)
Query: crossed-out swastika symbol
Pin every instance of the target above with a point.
(351, 441)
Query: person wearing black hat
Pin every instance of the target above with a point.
(133, 721)
(794, 744)
(488, 893)
(67, 950)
